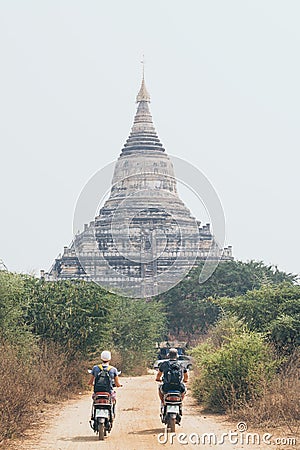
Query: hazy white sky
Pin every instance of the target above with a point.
(224, 83)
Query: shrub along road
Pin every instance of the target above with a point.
(137, 424)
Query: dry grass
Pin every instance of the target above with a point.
(58, 377)
(26, 383)
(280, 404)
(16, 392)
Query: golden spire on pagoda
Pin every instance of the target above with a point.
(143, 95)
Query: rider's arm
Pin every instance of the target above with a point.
(158, 376)
(117, 381)
(94, 373)
(91, 380)
(185, 376)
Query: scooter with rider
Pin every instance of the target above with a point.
(172, 390)
(104, 378)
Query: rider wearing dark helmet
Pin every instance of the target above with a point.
(163, 369)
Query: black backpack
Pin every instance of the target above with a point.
(173, 374)
(102, 380)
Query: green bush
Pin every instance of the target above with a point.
(13, 328)
(234, 372)
(273, 310)
(75, 314)
(225, 329)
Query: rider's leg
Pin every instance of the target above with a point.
(161, 397)
(183, 390)
(92, 421)
(92, 411)
(161, 394)
(114, 401)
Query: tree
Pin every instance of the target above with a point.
(136, 326)
(75, 314)
(188, 305)
(13, 300)
(274, 310)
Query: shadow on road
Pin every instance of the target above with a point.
(80, 439)
(146, 432)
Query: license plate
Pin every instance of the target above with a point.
(173, 409)
(102, 413)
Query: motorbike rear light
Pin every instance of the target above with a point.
(101, 401)
(173, 398)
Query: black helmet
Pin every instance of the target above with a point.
(173, 353)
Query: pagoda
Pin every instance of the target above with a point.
(144, 239)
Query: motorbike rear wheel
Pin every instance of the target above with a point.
(172, 423)
(101, 428)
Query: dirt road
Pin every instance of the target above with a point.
(137, 425)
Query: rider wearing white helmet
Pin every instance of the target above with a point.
(113, 372)
(113, 377)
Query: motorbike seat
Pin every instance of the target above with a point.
(101, 397)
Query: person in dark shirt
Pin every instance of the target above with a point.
(163, 368)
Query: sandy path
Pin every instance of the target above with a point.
(136, 427)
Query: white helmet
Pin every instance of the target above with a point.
(106, 355)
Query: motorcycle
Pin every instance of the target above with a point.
(103, 412)
(171, 412)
